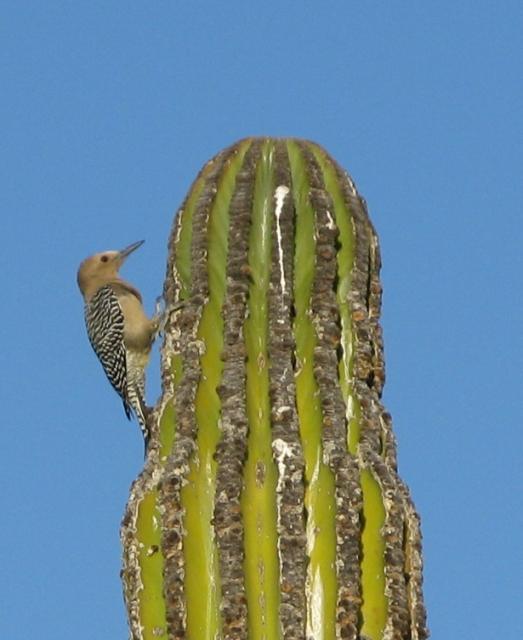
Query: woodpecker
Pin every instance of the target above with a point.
(119, 331)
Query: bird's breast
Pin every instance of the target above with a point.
(138, 331)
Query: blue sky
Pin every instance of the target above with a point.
(109, 109)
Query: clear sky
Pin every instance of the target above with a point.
(109, 109)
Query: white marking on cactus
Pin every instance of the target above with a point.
(351, 184)
(330, 223)
(280, 195)
(281, 450)
(316, 599)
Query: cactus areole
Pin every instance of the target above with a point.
(270, 506)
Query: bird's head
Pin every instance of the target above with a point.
(101, 268)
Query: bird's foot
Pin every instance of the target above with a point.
(160, 317)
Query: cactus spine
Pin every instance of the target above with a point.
(269, 506)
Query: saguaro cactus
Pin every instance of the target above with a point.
(270, 506)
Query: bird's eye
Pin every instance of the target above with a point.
(104, 258)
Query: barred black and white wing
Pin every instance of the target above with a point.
(105, 327)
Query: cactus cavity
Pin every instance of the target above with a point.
(269, 506)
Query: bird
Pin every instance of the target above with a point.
(120, 332)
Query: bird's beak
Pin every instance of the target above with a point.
(124, 253)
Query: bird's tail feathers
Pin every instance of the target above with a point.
(136, 404)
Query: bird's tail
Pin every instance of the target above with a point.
(136, 400)
(136, 391)
(141, 412)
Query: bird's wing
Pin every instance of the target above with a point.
(105, 325)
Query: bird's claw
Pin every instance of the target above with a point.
(160, 316)
(159, 306)
(160, 313)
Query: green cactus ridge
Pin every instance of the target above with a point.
(270, 506)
